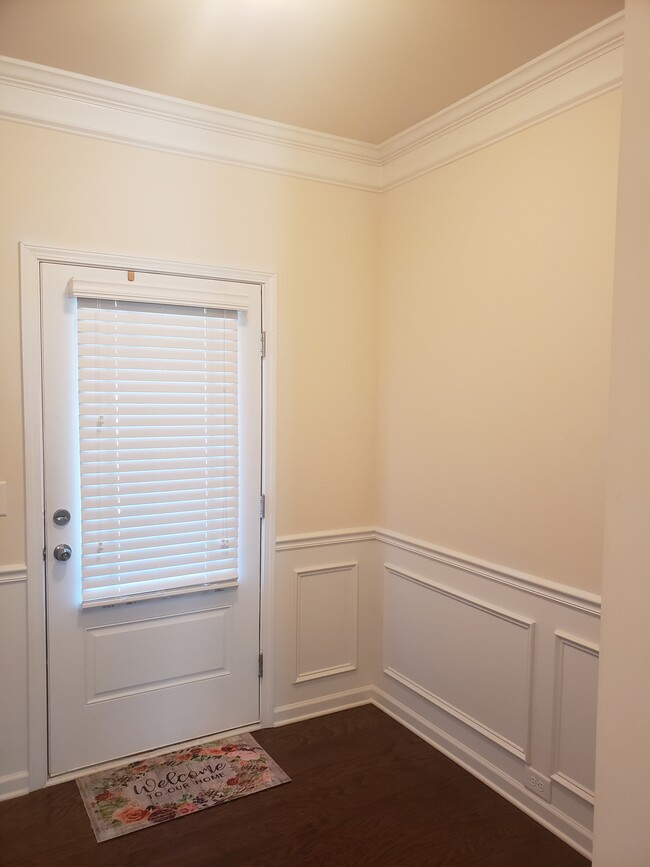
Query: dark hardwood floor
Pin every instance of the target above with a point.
(364, 790)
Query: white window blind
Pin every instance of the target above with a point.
(158, 422)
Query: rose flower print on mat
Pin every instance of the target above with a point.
(155, 790)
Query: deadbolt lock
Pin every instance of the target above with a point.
(61, 517)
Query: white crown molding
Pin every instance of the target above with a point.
(580, 69)
(61, 100)
(574, 72)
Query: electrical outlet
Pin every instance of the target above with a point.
(538, 783)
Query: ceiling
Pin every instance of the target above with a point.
(361, 69)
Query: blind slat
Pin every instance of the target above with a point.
(139, 537)
(98, 526)
(94, 498)
(143, 515)
(149, 464)
(100, 596)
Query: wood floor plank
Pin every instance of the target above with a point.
(364, 791)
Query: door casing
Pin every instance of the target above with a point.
(31, 257)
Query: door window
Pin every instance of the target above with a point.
(158, 445)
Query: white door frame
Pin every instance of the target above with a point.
(31, 257)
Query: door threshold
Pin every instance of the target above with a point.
(150, 754)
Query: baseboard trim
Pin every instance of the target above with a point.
(576, 836)
(302, 710)
(12, 785)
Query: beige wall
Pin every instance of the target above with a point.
(622, 829)
(496, 280)
(489, 332)
(74, 192)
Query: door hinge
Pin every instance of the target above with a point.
(263, 506)
(263, 344)
(260, 665)
(44, 554)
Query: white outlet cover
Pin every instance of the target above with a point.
(537, 783)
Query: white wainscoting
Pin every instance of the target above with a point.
(327, 627)
(427, 626)
(496, 668)
(574, 730)
(14, 777)
(326, 623)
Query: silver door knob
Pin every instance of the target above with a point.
(62, 552)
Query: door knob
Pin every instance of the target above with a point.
(62, 552)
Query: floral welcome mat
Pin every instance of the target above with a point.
(155, 790)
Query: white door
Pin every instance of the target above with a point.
(137, 659)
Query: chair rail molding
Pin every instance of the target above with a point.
(300, 541)
(562, 594)
(14, 574)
